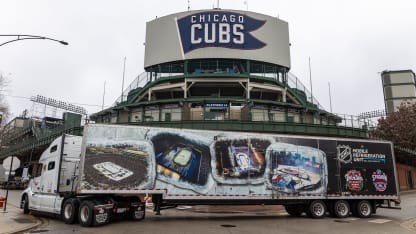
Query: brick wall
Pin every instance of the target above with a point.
(402, 173)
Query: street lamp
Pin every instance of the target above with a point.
(28, 37)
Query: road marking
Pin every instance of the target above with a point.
(409, 224)
(379, 221)
(184, 207)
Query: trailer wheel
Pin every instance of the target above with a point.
(294, 210)
(341, 209)
(70, 211)
(86, 213)
(364, 209)
(25, 204)
(316, 209)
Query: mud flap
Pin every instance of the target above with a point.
(138, 211)
(101, 216)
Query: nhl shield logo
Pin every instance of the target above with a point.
(344, 153)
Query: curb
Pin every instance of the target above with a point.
(407, 191)
(22, 230)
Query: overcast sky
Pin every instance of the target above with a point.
(349, 43)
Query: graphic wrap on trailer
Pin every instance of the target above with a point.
(297, 169)
(198, 164)
(239, 159)
(117, 158)
(367, 168)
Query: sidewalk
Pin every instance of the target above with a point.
(14, 221)
(408, 191)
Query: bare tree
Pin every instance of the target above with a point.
(399, 127)
(4, 107)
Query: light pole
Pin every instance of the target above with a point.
(21, 37)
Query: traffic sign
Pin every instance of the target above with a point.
(8, 161)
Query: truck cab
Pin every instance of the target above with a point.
(55, 174)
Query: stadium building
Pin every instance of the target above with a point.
(222, 69)
(207, 69)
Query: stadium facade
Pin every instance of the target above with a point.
(222, 69)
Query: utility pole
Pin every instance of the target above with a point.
(8, 184)
(102, 107)
(330, 98)
(122, 84)
(310, 78)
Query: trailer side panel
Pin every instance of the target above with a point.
(212, 165)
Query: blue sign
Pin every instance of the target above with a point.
(219, 29)
(219, 105)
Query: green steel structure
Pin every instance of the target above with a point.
(26, 138)
(208, 94)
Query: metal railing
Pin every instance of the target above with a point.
(349, 121)
(40, 136)
(407, 150)
(356, 122)
(140, 81)
(146, 77)
(295, 83)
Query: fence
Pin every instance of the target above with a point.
(146, 77)
(344, 120)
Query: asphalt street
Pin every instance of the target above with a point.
(256, 221)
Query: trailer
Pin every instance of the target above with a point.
(107, 173)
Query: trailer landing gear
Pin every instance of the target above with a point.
(157, 202)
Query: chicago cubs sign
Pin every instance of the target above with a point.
(223, 34)
(219, 29)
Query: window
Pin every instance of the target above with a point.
(136, 116)
(38, 170)
(51, 165)
(54, 148)
(168, 117)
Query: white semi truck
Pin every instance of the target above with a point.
(107, 172)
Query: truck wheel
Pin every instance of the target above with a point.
(86, 213)
(25, 204)
(70, 211)
(364, 209)
(316, 209)
(341, 209)
(294, 210)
